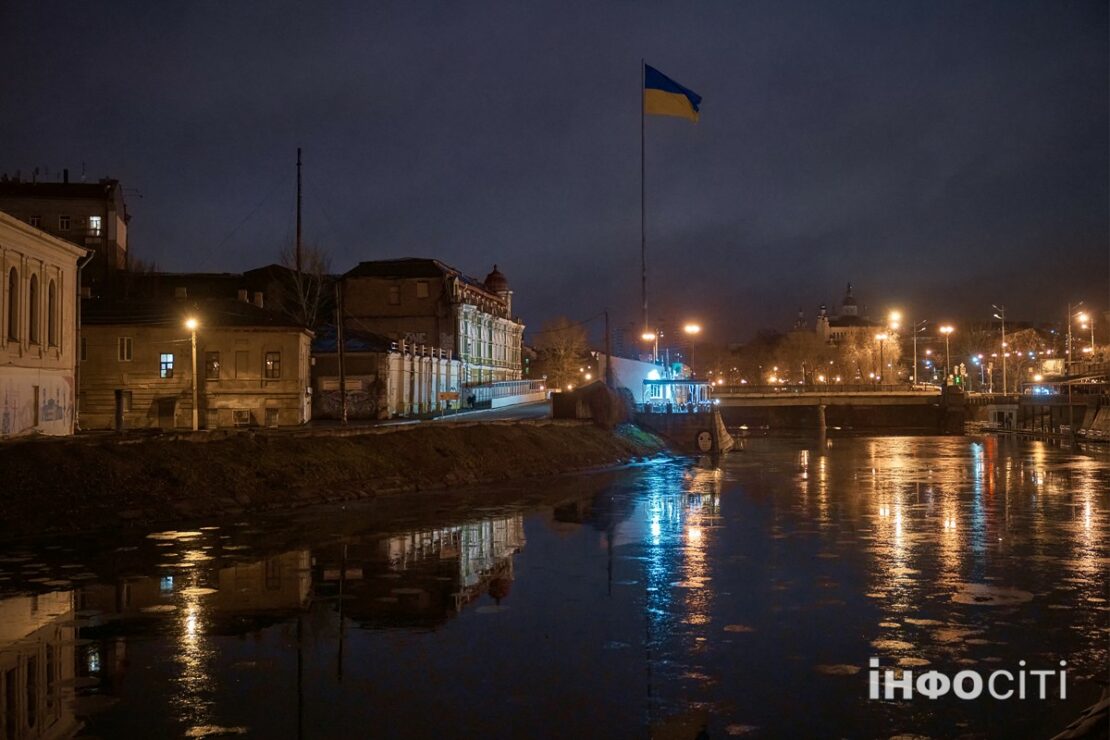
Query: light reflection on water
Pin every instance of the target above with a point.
(666, 599)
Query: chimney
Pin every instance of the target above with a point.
(65, 175)
(258, 298)
(243, 295)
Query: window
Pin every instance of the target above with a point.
(394, 295)
(13, 304)
(63, 223)
(212, 365)
(35, 221)
(242, 418)
(165, 366)
(273, 364)
(123, 352)
(52, 314)
(95, 224)
(421, 288)
(33, 310)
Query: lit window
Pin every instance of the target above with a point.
(273, 364)
(95, 225)
(421, 288)
(212, 365)
(123, 351)
(394, 295)
(165, 366)
(63, 223)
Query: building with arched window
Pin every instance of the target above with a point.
(39, 337)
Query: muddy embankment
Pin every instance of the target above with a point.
(83, 484)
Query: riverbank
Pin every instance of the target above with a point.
(63, 485)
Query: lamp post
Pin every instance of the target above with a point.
(1000, 314)
(191, 324)
(652, 336)
(881, 336)
(947, 330)
(916, 328)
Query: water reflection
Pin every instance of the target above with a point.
(666, 599)
(37, 664)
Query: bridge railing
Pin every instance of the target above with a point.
(502, 389)
(720, 390)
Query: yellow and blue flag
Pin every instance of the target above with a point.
(665, 97)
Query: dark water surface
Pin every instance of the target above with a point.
(746, 598)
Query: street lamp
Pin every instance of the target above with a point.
(191, 324)
(1000, 314)
(947, 330)
(650, 336)
(881, 336)
(692, 329)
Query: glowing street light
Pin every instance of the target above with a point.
(947, 330)
(192, 325)
(882, 337)
(692, 329)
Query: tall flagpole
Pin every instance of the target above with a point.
(643, 232)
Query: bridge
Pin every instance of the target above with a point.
(865, 406)
(823, 395)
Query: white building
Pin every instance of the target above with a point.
(38, 330)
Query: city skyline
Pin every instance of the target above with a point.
(942, 157)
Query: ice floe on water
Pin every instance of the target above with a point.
(982, 594)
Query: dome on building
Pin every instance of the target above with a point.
(496, 282)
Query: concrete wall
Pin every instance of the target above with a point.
(36, 367)
(629, 374)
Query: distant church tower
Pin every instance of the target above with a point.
(848, 307)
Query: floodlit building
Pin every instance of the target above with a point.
(425, 302)
(38, 330)
(252, 365)
(91, 215)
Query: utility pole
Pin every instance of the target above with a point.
(298, 255)
(1005, 386)
(340, 350)
(1067, 375)
(608, 354)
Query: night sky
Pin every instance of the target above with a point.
(942, 156)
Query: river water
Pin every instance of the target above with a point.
(744, 598)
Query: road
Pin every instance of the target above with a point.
(535, 410)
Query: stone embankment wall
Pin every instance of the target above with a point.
(91, 483)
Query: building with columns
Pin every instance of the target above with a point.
(38, 330)
(424, 302)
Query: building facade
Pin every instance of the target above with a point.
(91, 215)
(38, 330)
(382, 378)
(423, 301)
(848, 324)
(253, 366)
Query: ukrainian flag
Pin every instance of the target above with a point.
(665, 97)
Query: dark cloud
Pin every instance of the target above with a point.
(942, 156)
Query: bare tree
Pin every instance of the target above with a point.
(561, 346)
(305, 295)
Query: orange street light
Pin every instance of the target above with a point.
(192, 324)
